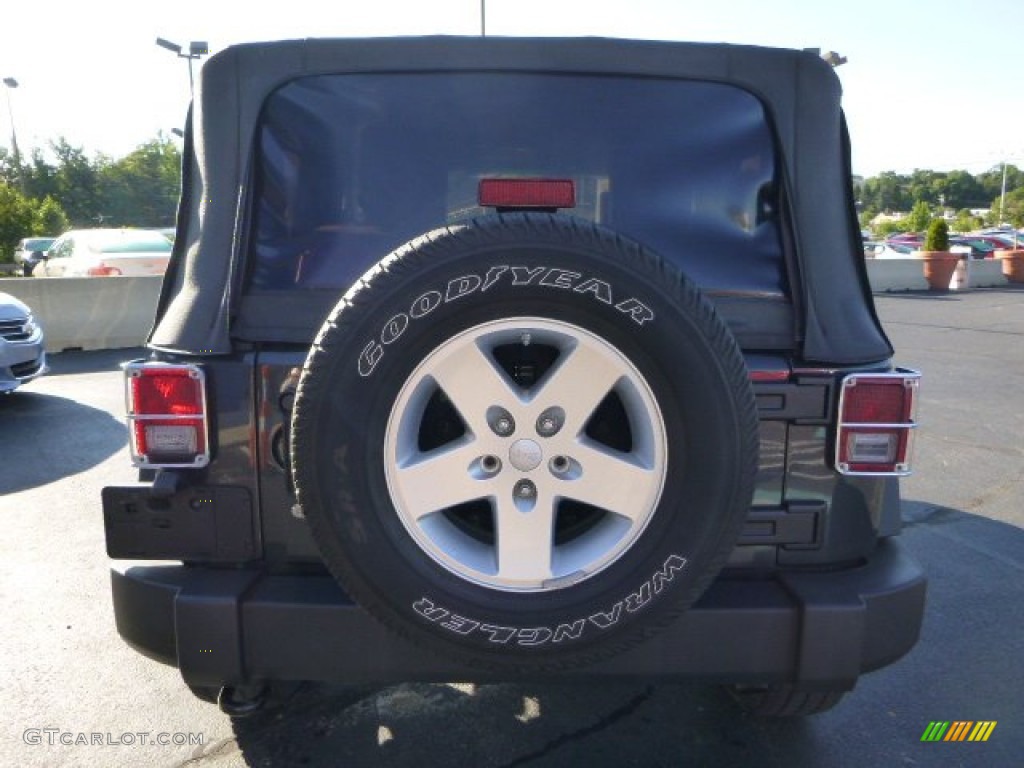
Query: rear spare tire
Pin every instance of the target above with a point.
(526, 442)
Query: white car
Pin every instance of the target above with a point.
(106, 253)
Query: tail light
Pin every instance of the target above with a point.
(546, 194)
(167, 415)
(876, 423)
(102, 270)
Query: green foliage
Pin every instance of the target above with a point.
(890, 192)
(1012, 208)
(43, 197)
(17, 216)
(49, 218)
(965, 221)
(937, 238)
(890, 227)
(142, 188)
(919, 218)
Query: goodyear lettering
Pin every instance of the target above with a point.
(559, 278)
(599, 288)
(394, 328)
(524, 276)
(425, 304)
(493, 274)
(638, 311)
(461, 286)
(466, 285)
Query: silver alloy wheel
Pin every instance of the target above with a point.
(525, 452)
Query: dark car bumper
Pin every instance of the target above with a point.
(234, 626)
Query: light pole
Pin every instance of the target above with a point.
(196, 50)
(1003, 194)
(11, 83)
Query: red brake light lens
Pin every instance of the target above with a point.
(167, 413)
(103, 270)
(876, 423)
(878, 402)
(527, 193)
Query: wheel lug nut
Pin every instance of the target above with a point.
(490, 464)
(501, 421)
(524, 489)
(550, 421)
(559, 464)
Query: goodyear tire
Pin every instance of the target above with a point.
(525, 442)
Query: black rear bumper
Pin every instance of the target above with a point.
(235, 626)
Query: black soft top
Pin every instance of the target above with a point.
(837, 323)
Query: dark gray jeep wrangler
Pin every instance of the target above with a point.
(491, 359)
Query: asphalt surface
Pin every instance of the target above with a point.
(67, 681)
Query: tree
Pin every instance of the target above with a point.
(17, 216)
(141, 189)
(49, 218)
(962, 190)
(76, 183)
(886, 192)
(919, 218)
(966, 221)
(924, 186)
(1012, 208)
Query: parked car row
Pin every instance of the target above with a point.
(981, 245)
(95, 253)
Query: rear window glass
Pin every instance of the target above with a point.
(349, 167)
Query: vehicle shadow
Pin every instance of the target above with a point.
(48, 437)
(963, 668)
(93, 361)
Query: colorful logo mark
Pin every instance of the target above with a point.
(958, 730)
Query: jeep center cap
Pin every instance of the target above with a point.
(525, 455)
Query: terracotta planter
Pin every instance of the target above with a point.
(1013, 264)
(939, 267)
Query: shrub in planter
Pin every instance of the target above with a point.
(937, 237)
(939, 262)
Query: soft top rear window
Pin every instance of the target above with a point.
(351, 166)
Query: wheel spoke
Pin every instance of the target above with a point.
(578, 384)
(524, 540)
(473, 383)
(610, 481)
(439, 479)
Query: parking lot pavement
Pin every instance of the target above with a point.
(63, 668)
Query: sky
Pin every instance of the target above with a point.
(933, 84)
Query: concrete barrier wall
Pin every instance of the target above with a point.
(89, 312)
(115, 312)
(896, 275)
(908, 275)
(985, 273)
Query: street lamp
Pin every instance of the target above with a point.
(831, 58)
(11, 83)
(196, 50)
